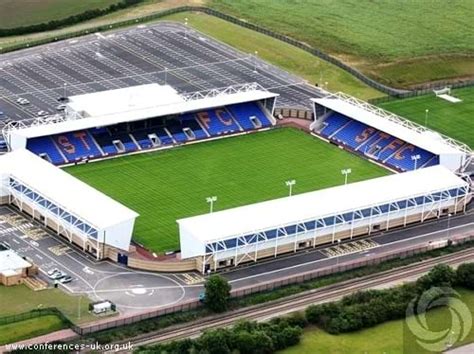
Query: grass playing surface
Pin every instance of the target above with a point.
(456, 120)
(164, 186)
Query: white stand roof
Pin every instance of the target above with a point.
(65, 190)
(287, 211)
(130, 104)
(392, 124)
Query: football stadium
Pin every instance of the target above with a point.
(167, 141)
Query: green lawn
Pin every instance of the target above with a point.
(18, 299)
(167, 185)
(373, 34)
(33, 327)
(15, 13)
(387, 338)
(456, 120)
(279, 53)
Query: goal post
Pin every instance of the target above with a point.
(443, 91)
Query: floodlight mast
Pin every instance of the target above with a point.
(211, 201)
(290, 183)
(415, 159)
(346, 172)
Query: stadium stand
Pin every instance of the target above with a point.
(124, 138)
(45, 147)
(374, 143)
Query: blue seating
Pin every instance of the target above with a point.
(45, 145)
(77, 145)
(334, 122)
(217, 121)
(244, 111)
(360, 137)
(351, 133)
(402, 159)
(98, 142)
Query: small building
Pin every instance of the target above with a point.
(13, 268)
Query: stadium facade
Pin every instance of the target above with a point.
(152, 117)
(267, 229)
(81, 214)
(384, 137)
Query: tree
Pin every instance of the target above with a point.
(217, 293)
(215, 342)
(465, 275)
(439, 275)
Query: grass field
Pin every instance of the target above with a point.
(386, 338)
(172, 184)
(383, 38)
(33, 327)
(19, 299)
(456, 120)
(15, 13)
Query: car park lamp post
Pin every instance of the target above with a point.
(186, 29)
(426, 117)
(211, 201)
(166, 75)
(346, 172)
(255, 61)
(415, 159)
(448, 229)
(290, 183)
(65, 85)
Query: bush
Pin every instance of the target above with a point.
(439, 275)
(244, 338)
(465, 275)
(217, 293)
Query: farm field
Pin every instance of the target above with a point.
(167, 185)
(17, 331)
(452, 119)
(400, 43)
(385, 338)
(34, 12)
(279, 53)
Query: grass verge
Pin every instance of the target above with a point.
(389, 337)
(33, 327)
(19, 299)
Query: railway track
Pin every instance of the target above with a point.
(299, 301)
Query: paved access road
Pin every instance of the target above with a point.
(136, 291)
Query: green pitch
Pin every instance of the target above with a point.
(455, 120)
(167, 185)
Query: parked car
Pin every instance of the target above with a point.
(22, 101)
(42, 113)
(65, 279)
(61, 107)
(63, 99)
(52, 271)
